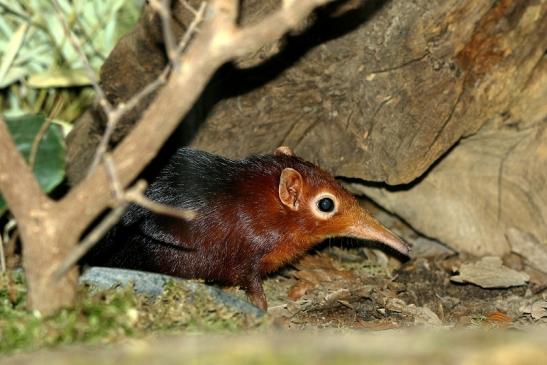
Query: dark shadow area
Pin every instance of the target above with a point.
(230, 81)
(326, 27)
(347, 242)
(400, 187)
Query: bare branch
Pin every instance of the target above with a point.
(113, 175)
(77, 47)
(148, 89)
(133, 195)
(138, 198)
(113, 116)
(273, 27)
(158, 208)
(189, 7)
(89, 241)
(51, 229)
(192, 28)
(37, 140)
(163, 8)
(2, 256)
(226, 12)
(210, 50)
(116, 114)
(16, 177)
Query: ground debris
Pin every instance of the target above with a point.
(528, 246)
(489, 272)
(419, 293)
(537, 310)
(153, 285)
(316, 270)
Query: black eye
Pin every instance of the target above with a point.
(325, 205)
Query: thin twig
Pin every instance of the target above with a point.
(132, 195)
(148, 89)
(77, 47)
(95, 235)
(112, 119)
(36, 142)
(192, 28)
(163, 8)
(113, 116)
(188, 7)
(113, 175)
(213, 47)
(136, 196)
(2, 256)
(159, 208)
(89, 241)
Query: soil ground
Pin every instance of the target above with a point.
(343, 288)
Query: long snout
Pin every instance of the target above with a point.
(368, 228)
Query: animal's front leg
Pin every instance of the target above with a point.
(255, 293)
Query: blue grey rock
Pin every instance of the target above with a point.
(152, 284)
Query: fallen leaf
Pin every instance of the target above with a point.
(536, 310)
(318, 269)
(489, 272)
(299, 289)
(499, 318)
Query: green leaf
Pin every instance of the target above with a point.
(13, 74)
(12, 49)
(59, 78)
(49, 164)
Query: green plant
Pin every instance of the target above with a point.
(40, 71)
(110, 315)
(48, 159)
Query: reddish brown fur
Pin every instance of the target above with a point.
(253, 216)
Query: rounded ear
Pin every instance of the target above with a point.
(290, 188)
(283, 150)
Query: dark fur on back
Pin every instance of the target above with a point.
(238, 218)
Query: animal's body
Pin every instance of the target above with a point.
(252, 217)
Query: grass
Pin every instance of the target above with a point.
(109, 316)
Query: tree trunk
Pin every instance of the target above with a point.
(50, 230)
(40, 221)
(43, 251)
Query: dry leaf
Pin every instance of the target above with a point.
(499, 318)
(489, 272)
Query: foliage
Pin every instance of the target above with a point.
(49, 164)
(39, 69)
(110, 315)
(93, 318)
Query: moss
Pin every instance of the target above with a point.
(110, 315)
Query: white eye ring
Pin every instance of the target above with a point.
(324, 205)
